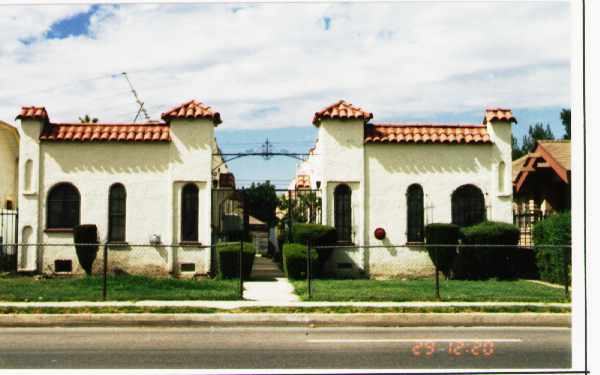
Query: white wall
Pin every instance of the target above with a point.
(9, 154)
(439, 169)
(379, 175)
(153, 175)
(341, 160)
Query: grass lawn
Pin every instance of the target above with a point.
(281, 310)
(424, 290)
(128, 288)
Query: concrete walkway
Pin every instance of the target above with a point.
(269, 284)
(278, 291)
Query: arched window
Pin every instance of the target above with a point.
(117, 198)
(343, 213)
(468, 206)
(189, 213)
(63, 207)
(501, 178)
(414, 213)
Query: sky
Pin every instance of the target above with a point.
(268, 67)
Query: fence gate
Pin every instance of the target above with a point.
(9, 237)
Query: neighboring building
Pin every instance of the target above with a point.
(9, 162)
(400, 177)
(136, 182)
(542, 178)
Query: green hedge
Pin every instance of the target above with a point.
(442, 234)
(483, 262)
(228, 259)
(318, 235)
(554, 230)
(294, 260)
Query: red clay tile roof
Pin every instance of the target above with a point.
(150, 132)
(303, 181)
(33, 113)
(426, 133)
(341, 110)
(498, 114)
(192, 110)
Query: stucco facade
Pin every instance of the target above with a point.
(153, 174)
(379, 170)
(9, 157)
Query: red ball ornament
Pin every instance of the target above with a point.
(380, 233)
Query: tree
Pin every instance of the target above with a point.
(565, 117)
(262, 201)
(517, 152)
(87, 119)
(536, 132)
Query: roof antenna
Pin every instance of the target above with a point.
(138, 101)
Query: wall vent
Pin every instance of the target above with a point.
(63, 265)
(188, 267)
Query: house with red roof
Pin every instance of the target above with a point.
(400, 177)
(139, 183)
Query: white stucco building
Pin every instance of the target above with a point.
(400, 177)
(9, 160)
(134, 181)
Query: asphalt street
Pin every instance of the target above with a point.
(286, 348)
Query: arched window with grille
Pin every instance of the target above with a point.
(468, 206)
(189, 213)
(342, 206)
(117, 198)
(62, 205)
(414, 213)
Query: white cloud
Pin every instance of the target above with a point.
(279, 62)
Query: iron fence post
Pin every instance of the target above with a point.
(241, 268)
(16, 230)
(104, 271)
(290, 216)
(437, 275)
(308, 270)
(565, 271)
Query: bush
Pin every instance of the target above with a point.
(228, 259)
(294, 260)
(318, 235)
(554, 230)
(484, 262)
(86, 254)
(442, 234)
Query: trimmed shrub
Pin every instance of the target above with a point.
(442, 234)
(318, 235)
(294, 260)
(228, 259)
(554, 230)
(483, 262)
(86, 254)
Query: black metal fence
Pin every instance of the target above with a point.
(413, 266)
(9, 235)
(122, 271)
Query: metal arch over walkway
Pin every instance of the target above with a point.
(267, 152)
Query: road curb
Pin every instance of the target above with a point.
(289, 320)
